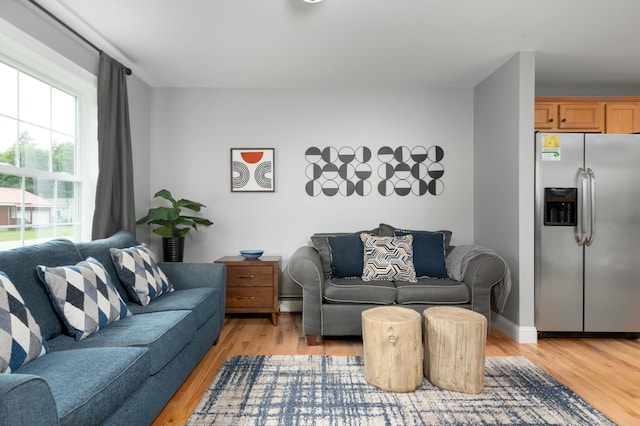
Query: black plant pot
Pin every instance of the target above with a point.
(173, 249)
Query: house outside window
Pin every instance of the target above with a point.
(47, 121)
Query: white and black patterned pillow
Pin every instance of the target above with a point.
(388, 258)
(139, 272)
(20, 337)
(84, 296)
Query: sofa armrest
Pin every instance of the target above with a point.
(193, 275)
(482, 273)
(26, 400)
(305, 269)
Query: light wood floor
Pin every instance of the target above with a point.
(604, 372)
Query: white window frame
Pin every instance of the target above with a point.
(22, 51)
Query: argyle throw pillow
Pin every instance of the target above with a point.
(20, 338)
(388, 258)
(84, 296)
(139, 272)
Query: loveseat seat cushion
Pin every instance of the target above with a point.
(163, 333)
(355, 290)
(202, 301)
(432, 291)
(99, 249)
(20, 266)
(88, 384)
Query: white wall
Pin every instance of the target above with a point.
(194, 129)
(503, 176)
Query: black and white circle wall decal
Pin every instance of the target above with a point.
(313, 188)
(347, 188)
(399, 170)
(436, 154)
(419, 154)
(313, 155)
(405, 170)
(346, 154)
(332, 171)
(363, 154)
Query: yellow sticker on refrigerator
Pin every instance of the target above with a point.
(550, 148)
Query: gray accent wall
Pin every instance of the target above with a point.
(193, 131)
(504, 181)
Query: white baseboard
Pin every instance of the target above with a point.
(525, 335)
(291, 305)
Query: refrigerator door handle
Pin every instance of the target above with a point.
(581, 235)
(592, 210)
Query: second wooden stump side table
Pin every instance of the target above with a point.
(252, 285)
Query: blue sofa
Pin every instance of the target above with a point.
(126, 372)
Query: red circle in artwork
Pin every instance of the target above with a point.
(252, 157)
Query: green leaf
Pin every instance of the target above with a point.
(170, 221)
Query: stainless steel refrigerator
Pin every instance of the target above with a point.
(587, 233)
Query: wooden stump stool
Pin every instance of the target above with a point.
(454, 348)
(392, 343)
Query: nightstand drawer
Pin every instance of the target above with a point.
(252, 285)
(254, 297)
(249, 276)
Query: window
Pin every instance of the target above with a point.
(47, 147)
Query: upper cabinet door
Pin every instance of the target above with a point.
(546, 116)
(588, 117)
(622, 117)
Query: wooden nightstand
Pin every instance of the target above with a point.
(252, 285)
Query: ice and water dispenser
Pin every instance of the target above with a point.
(560, 206)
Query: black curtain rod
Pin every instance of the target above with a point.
(74, 32)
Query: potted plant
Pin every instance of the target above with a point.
(173, 225)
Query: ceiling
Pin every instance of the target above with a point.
(360, 43)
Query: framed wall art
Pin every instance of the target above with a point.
(252, 170)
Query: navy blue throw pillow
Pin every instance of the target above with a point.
(347, 254)
(428, 254)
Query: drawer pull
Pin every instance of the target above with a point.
(246, 297)
(245, 276)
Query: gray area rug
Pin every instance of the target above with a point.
(331, 390)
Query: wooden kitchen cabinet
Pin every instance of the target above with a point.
(570, 117)
(593, 114)
(252, 285)
(622, 117)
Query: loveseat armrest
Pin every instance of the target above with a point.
(305, 269)
(193, 275)
(26, 399)
(482, 273)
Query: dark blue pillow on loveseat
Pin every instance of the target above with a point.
(428, 254)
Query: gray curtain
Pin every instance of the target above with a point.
(114, 207)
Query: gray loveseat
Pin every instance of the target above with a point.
(126, 372)
(333, 297)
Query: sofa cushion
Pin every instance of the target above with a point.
(163, 333)
(428, 254)
(432, 291)
(388, 258)
(20, 337)
(202, 301)
(355, 290)
(389, 231)
(346, 256)
(88, 383)
(99, 250)
(20, 266)
(138, 270)
(321, 244)
(84, 296)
